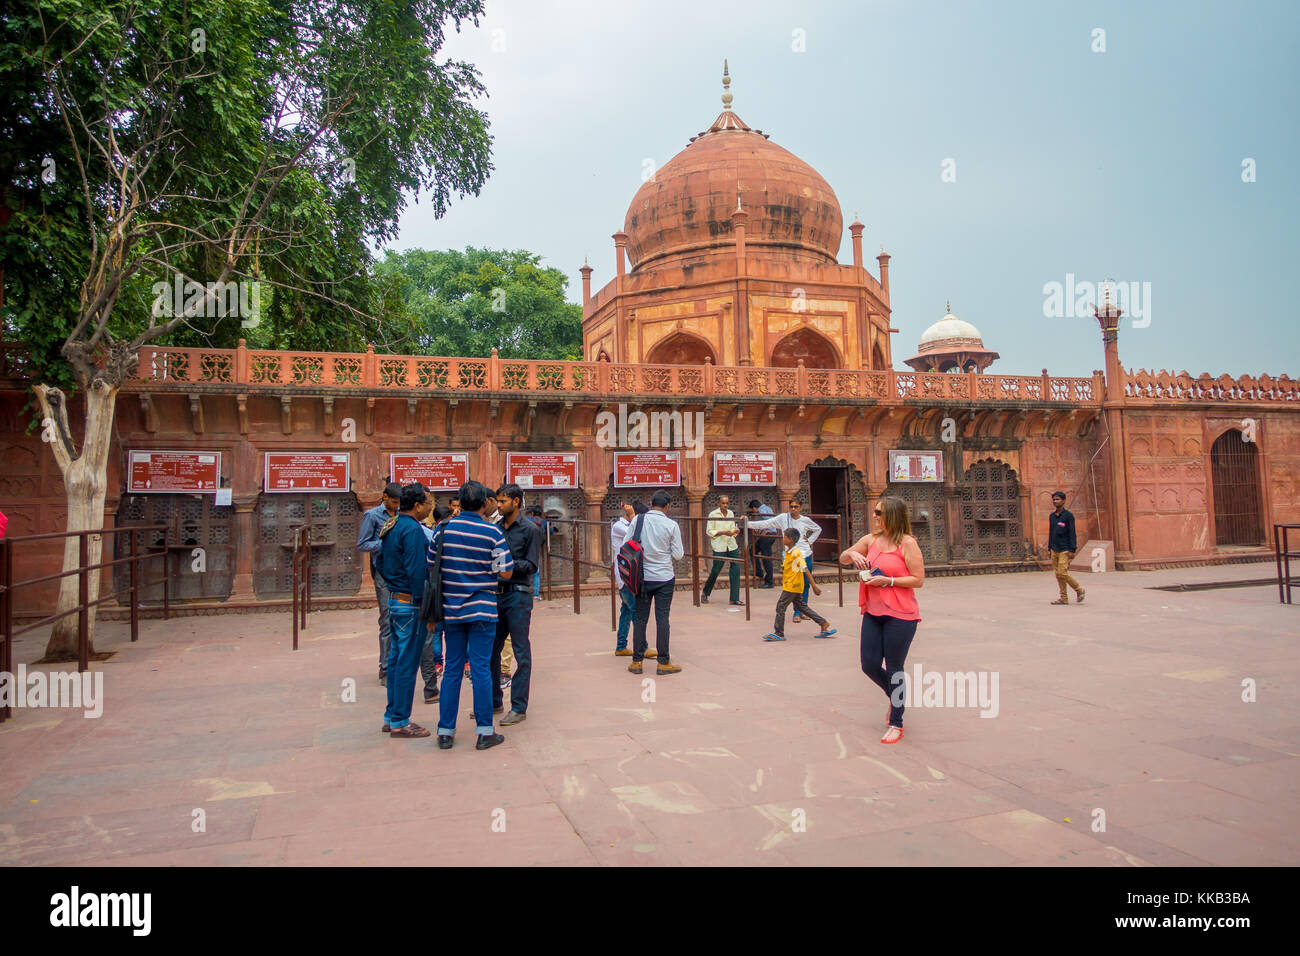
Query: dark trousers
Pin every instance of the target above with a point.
(514, 618)
(733, 573)
(794, 597)
(659, 593)
(763, 560)
(888, 639)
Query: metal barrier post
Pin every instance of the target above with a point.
(135, 586)
(745, 559)
(306, 574)
(577, 589)
(695, 559)
(293, 586)
(6, 614)
(83, 598)
(167, 574)
(839, 568)
(613, 600)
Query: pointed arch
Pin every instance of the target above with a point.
(681, 348)
(814, 347)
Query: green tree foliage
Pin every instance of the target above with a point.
(468, 303)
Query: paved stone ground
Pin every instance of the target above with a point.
(1130, 703)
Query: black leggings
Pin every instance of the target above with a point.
(888, 639)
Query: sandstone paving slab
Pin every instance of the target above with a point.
(1138, 692)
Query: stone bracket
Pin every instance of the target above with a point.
(286, 414)
(150, 413)
(241, 408)
(328, 402)
(196, 412)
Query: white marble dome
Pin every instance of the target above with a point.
(949, 327)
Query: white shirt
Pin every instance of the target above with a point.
(662, 540)
(718, 522)
(808, 530)
(617, 535)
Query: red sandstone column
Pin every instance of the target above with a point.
(855, 230)
(883, 259)
(743, 351)
(1113, 408)
(621, 351)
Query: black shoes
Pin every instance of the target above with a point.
(488, 741)
(431, 698)
(444, 741)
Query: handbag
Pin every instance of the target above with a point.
(431, 601)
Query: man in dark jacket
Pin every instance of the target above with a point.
(404, 565)
(1061, 545)
(369, 542)
(515, 602)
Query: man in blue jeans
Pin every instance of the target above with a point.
(368, 542)
(403, 563)
(618, 533)
(515, 603)
(474, 558)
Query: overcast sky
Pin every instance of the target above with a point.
(1125, 164)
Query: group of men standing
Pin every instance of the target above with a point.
(486, 553)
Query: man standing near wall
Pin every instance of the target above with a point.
(368, 542)
(405, 569)
(661, 540)
(763, 542)
(722, 531)
(618, 533)
(1061, 545)
(515, 603)
(808, 533)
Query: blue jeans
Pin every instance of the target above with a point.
(385, 632)
(537, 584)
(626, 614)
(470, 640)
(404, 647)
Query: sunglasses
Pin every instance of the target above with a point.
(878, 513)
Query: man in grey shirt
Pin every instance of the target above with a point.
(808, 531)
(661, 540)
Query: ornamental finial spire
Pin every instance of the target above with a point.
(726, 87)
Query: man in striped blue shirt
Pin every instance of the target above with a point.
(474, 558)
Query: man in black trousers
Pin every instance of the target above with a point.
(515, 602)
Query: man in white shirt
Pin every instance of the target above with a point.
(618, 533)
(808, 533)
(662, 541)
(722, 531)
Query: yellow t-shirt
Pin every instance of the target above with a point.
(792, 570)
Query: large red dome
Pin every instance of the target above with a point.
(685, 210)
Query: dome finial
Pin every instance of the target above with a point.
(726, 86)
(949, 306)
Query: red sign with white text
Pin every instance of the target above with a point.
(543, 471)
(638, 469)
(744, 468)
(173, 471)
(293, 472)
(445, 471)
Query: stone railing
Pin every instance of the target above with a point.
(1167, 387)
(184, 368)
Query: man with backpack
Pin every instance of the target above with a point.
(646, 564)
(618, 533)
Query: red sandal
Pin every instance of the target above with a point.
(892, 740)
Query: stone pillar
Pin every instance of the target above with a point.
(855, 231)
(594, 535)
(241, 590)
(586, 286)
(1113, 408)
(883, 259)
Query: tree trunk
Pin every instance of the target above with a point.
(85, 481)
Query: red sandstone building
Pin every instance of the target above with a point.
(726, 301)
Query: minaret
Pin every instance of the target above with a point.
(586, 283)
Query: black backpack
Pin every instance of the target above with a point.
(631, 560)
(431, 602)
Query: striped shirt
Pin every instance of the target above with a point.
(469, 585)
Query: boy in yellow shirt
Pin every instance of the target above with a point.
(794, 572)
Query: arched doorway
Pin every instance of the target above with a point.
(877, 358)
(815, 350)
(1234, 471)
(681, 348)
(833, 486)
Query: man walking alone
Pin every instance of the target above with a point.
(722, 531)
(1061, 545)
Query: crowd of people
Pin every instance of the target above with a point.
(481, 555)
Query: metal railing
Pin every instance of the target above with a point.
(300, 579)
(8, 586)
(1283, 553)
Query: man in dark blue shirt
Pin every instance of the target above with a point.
(404, 565)
(515, 602)
(368, 542)
(1061, 545)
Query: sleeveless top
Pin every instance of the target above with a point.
(896, 602)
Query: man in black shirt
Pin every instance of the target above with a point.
(515, 602)
(1061, 545)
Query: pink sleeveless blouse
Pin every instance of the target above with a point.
(896, 602)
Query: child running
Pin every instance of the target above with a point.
(794, 574)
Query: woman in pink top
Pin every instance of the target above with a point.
(890, 564)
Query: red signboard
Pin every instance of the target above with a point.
(744, 468)
(293, 472)
(916, 466)
(445, 471)
(540, 470)
(172, 471)
(637, 469)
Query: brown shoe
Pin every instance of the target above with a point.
(651, 653)
(634, 667)
(623, 652)
(410, 730)
(665, 668)
(1078, 598)
(387, 729)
